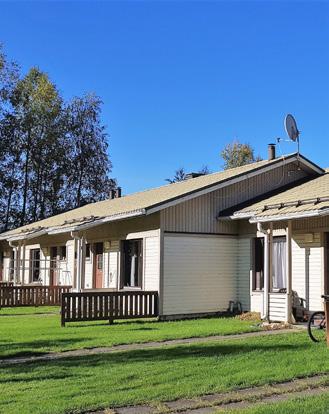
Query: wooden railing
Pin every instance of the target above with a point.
(5, 284)
(92, 306)
(13, 296)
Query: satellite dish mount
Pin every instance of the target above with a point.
(290, 126)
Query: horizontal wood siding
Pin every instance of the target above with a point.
(277, 307)
(256, 302)
(199, 214)
(311, 224)
(307, 266)
(199, 273)
(244, 266)
(112, 260)
(299, 275)
(151, 263)
(316, 279)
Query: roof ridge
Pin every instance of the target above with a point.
(283, 157)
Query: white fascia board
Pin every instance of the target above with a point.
(25, 236)
(60, 230)
(88, 225)
(228, 182)
(122, 216)
(289, 216)
(239, 216)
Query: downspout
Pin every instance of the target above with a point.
(15, 248)
(76, 261)
(23, 262)
(266, 270)
(81, 254)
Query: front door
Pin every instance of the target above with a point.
(98, 265)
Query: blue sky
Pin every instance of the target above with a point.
(179, 80)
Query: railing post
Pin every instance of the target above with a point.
(326, 308)
(63, 308)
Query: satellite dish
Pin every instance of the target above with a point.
(291, 127)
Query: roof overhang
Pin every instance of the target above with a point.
(290, 216)
(76, 227)
(25, 236)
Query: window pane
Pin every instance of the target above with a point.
(279, 263)
(132, 262)
(88, 251)
(63, 252)
(258, 273)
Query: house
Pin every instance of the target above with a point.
(251, 234)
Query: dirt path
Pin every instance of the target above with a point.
(138, 346)
(234, 400)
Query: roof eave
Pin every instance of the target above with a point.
(290, 216)
(76, 227)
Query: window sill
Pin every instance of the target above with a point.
(131, 288)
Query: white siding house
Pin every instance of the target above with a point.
(192, 241)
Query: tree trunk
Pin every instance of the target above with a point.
(26, 183)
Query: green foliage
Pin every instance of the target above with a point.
(237, 154)
(181, 175)
(53, 154)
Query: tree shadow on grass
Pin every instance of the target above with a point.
(182, 352)
(34, 348)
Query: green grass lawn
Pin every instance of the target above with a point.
(308, 405)
(152, 375)
(27, 331)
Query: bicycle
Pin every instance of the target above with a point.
(316, 326)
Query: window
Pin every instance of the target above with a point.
(279, 264)
(132, 263)
(88, 251)
(99, 255)
(258, 268)
(12, 265)
(35, 265)
(62, 252)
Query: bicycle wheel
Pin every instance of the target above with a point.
(316, 327)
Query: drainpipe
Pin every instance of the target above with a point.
(81, 254)
(15, 248)
(76, 269)
(12, 245)
(289, 316)
(23, 262)
(266, 269)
